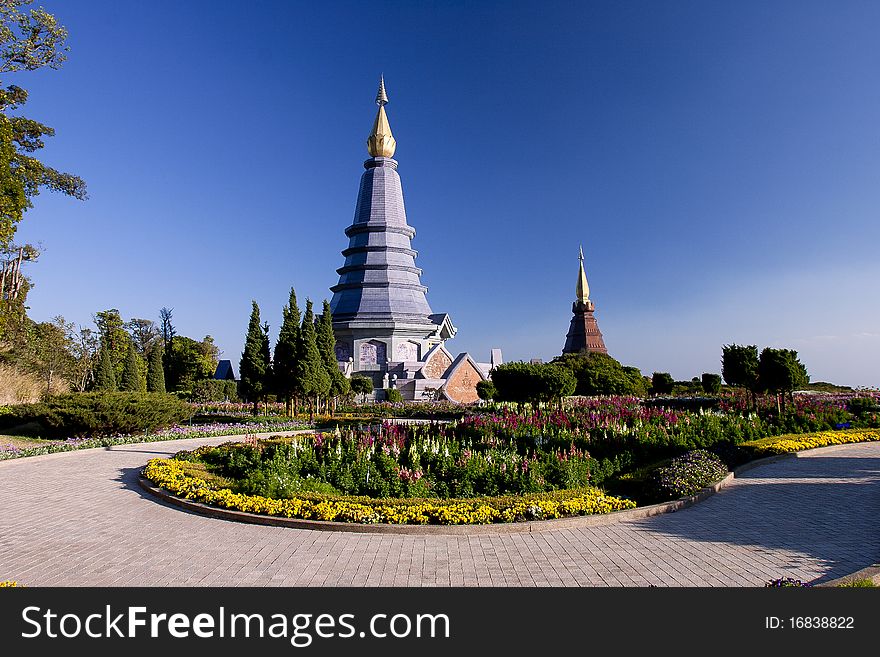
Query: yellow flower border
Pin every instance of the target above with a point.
(798, 442)
(170, 475)
(10, 584)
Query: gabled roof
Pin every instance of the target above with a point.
(224, 371)
(445, 329)
(460, 360)
(430, 355)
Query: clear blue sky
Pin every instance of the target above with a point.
(719, 161)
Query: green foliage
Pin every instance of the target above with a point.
(711, 383)
(361, 385)
(739, 366)
(662, 383)
(686, 475)
(214, 390)
(860, 406)
(101, 413)
(326, 340)
(600, 374)
(105, 376)
(155, 371)
(532, 382)
(486, 390)
(312, 377)
(286, 354)
(114, 338)
(393, 396)
(187, 361)
(779, 370)
(133, 379)
(255, 362)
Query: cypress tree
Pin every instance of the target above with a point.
(155, 372)
(327, 346)
(254, 360)
(287, 354)
(105, 375)
(312, 377)
(131, 380)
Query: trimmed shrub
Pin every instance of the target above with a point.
(214, 390)
(393, 395)
(686, 475)
(100, 413)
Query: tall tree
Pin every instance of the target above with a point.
(189, 361)
(155, 371)
(143, 332)
(29, 39)
(254, 366)
(132, 375)
(312, 377)
(84, 348)
(739, 367)
(780, 372)
(167, 330)
(114, 338)
(105, 375)
(287, 354)
(339, 384)
(52, 359)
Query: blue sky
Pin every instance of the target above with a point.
(718, 161)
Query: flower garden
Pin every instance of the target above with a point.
(504, 465)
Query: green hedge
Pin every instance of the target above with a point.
(99, 413)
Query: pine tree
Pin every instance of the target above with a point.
(105, 375)
(254, 360)
(132, 379)
(155, 373)
(312, 377)
(327, 346)
(287, 354)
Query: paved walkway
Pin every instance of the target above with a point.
(81, 519)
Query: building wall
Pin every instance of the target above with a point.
(461, 386)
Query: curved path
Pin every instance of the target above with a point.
(80, 519)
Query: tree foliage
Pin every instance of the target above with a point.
(287, 353)
(600, 374)
(255, 361)
(531, 383)
(780, 371)
(361, 385)
(155, 371)
(339, 385)
(486, 390)
(711, 383)
(739, 366)
(312, 377)
(105, 376)
(662, 383)
(133, 379)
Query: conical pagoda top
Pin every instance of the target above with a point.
(381, 142)
(583, 288)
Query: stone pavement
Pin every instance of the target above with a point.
(80, 519)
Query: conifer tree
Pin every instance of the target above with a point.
(132, 379)
(312, 377)
(327, 347)
(155, 372)
(287, 354)
(105, 375)
(255, 360)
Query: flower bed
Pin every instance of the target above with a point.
(799, 442)
(170, 475)
(174, 433)
(9, 584)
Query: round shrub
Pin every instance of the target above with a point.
(686, 475)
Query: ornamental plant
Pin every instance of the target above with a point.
(686, 475)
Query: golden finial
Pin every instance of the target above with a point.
(381, 142)
(583, 288)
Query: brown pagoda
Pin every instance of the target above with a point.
(583, 333)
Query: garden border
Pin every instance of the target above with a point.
(530, 526)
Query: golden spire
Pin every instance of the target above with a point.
(381, 142)
(583, 288)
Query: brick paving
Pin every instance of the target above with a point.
(80, 519)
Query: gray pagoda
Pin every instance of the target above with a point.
(383, 324)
